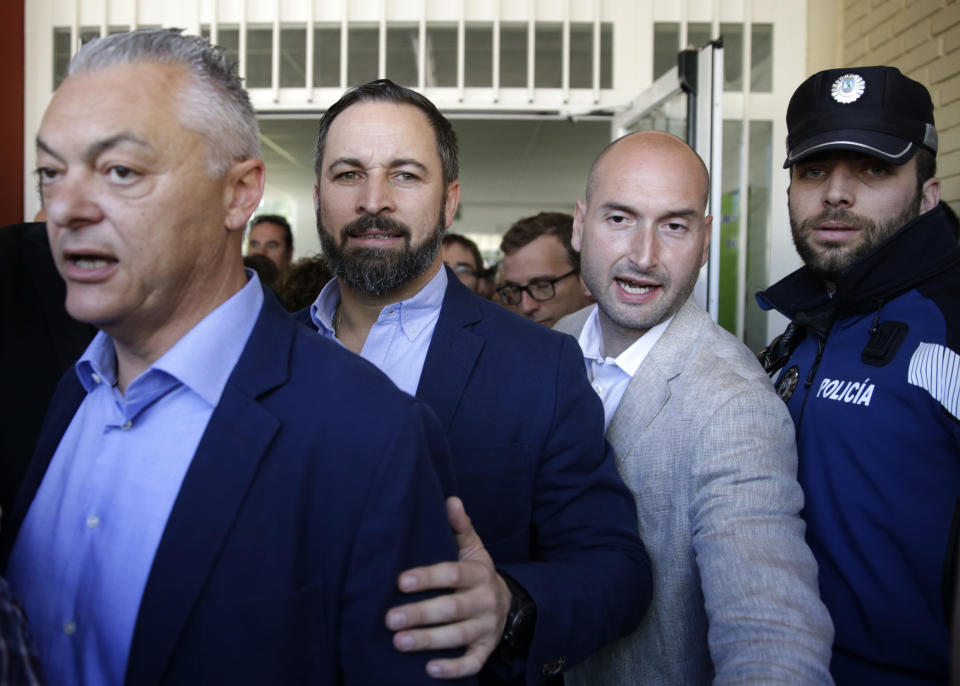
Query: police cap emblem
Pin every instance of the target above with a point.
(788, 383)
(848, 88)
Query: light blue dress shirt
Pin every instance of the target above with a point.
(81, 559)
(610, 376)
(398, 341)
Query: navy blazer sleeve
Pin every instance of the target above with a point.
(400, 528)
(538, 479)
(590, 575)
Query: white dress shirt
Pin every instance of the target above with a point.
(610, 376)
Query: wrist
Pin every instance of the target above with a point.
(521, 621)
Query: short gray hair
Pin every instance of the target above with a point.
(215, 105)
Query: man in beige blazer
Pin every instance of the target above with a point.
(701, 439)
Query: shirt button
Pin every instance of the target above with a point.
(126, 427)
(70, 628)
(599, 388)
(95, 377)
(93, 521)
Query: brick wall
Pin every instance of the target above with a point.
(922, 39)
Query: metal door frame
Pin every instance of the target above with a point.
(699, 74)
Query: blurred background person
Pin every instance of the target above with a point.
(266, 269)
(270, 235)
(462, 256)
(486, 283)
(302, 281)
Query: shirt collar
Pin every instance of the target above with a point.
(414, 312)
(591, 342)
(324, 307)
(203, 359)
(98, 363)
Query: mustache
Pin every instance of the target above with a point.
(838, 214)
(631, 272)
(369, 222)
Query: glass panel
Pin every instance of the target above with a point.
(326, 57)
(758, 213)
(729, 224)
(478, 56)
(548, 61)
(402, 49)
(732, 56)
(61, 54)
(259, 55)
(606, 55)
(513, 55)
(666, 44)
(293, 57)
(698, 34)
(441, 56)
(363, 49)
(581, 55)
(88, 33)
(670, 116)
(761, 58)
(229, 39)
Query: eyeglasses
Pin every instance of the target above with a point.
(539, 289)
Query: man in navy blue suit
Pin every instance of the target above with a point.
(561, 570)
(194, 513)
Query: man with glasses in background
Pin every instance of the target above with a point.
(541, 269)
(462, 256)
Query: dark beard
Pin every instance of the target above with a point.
(828, 260)
(379, 271)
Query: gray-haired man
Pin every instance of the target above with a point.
(193, 512)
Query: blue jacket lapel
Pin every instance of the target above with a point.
(453, 351)
(213, 490)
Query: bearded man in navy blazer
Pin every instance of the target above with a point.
(561, 570)
(194, 512)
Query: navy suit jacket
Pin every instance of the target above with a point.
(311, 489)
(536, 476)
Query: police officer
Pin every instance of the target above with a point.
(870, 370)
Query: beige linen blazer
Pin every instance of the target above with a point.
(708, 450)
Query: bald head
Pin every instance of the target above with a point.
(643, 233)
(655, 144)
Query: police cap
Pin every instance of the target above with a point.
(873, 110)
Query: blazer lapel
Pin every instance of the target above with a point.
(213, 490)
(453, 352)
(649, 389)
(645, 396)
